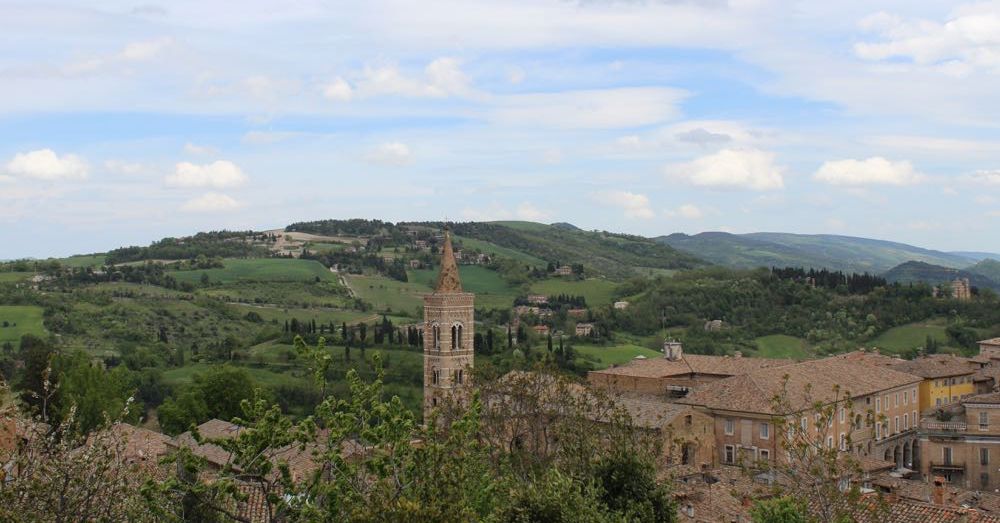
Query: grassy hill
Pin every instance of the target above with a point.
(18, 320)
(914, 271)
(260, 269)
(844, 253)
(616, 256)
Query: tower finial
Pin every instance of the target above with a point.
(448, 280)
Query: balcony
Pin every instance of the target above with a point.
(948, 467)
(943, 426)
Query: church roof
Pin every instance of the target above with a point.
(448, 280)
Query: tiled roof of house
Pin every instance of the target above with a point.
(649, 411)
(938, 366)
(142, 444)
(693, 364)
(906, 511)
(991, 341)
(799, 385)
(991, 398)
(869, 357)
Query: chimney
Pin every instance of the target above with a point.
(672, 350)
(938, 493)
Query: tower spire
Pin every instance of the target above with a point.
(448, 280)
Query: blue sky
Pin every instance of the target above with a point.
(123, 122)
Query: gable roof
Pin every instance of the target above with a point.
(938, 366)
(800, 385)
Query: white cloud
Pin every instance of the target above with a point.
(45, 164)
(967, 40)
(590, 109)
(872, 171)
(211, 202)
(218, 174)
(442, 77)
(688, 211)
(338, 90)
(988, 177)
(390, 153)
(493, 212)
(123, 167)
(527, 211)
(6, 179)
(133, 52)
(200, 150)
(732, 168)
(635, 205)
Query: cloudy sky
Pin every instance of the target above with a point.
(123, 122)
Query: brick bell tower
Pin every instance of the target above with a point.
(449, 316)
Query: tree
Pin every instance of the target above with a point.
(779, 510)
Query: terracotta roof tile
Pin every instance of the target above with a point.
(693, 364)
(938, 366)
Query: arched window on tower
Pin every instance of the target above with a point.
(436, 333)
(459, 376)
(454, 337)
(459, 329)
(435, 376)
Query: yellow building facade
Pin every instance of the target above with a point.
(946, 378)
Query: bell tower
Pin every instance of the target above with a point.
(449, 316)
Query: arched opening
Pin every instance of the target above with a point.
(459, 330)
(908, 455)
(436, 335)
(887, 455)
(454, 337)
(897, 456)
(915, 455)
(435, 376)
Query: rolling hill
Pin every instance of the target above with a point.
(828, 251)
(914, 271)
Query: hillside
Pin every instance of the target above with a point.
(988, 268)
(608, 254)
(912, 272)
(834, 252)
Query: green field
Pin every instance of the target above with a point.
(325, 247)
(329, 294)
(597, 292)
(84, 260)
(388, 294)
(614, 355)
(14, 277)
(18, 320)
(906, 337)
(496, 250)
(492, 291)
(260, 269)
(321, 315)
(782, 346)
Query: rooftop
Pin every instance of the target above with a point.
(800, 385)
(693, 364)
(938, 366)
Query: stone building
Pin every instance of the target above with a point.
(449, 320)
(960, 289)
(744, 409)
(990, 349)
(946, 378)
(964, 449)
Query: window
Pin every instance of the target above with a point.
(843, 441)
(878, 430)
(878, 405)
(730, 456)
(905, 397)
(434, 402)
(765, 431)
(984, 456)
(885, 401)
(913, 416)
(984, 421)
(843, 414)
(946, 455)
(896, 401)
(906, 422)
(984, 480)
(436, 332)
(829, 442)
(459, 376)
(937, 402)
(765, 455)
(686, 454)
(895, 422)
(913, 395)
(435, 376)
(805, 423)
(687, 420)
(730, 427)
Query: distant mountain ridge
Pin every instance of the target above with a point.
(846, 253)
